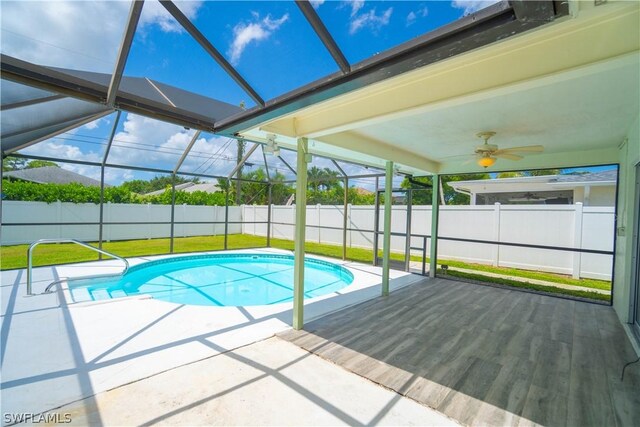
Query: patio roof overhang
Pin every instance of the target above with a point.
(578, 76)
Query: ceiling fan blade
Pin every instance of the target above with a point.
(471, 160)
(458, 156)
(524, 149)
(508, 156)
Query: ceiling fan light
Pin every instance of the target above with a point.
(486, 161)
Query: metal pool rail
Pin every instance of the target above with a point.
(77, 242)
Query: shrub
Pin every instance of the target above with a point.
(77, 193)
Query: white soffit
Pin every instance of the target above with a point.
(581, 110)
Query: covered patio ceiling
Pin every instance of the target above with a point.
(571, 86)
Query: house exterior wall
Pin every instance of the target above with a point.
(578, 196)
(602, 196)
(629, 158)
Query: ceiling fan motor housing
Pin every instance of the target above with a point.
(486, 148)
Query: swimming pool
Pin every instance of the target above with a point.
(216, 279)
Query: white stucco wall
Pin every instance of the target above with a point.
(602, 196)
(629, 158)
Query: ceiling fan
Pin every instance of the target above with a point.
(487, 154)
(526, 197)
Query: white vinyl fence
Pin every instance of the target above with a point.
(146, 221)
(569, 226)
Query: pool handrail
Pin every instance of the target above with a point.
(77, 242)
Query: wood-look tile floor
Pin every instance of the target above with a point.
(487, 356)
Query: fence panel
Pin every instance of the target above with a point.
(141, 215)
(548, 225)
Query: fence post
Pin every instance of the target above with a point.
(496, 234)
(269, 200)
(173, 212)
(577, 240)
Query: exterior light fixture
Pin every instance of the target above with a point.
(486, 161)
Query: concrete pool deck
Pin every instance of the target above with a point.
(54, 353)
(271, 382)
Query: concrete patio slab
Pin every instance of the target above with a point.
(271, 382)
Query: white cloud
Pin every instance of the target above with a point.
(59, 149)
(142, 142)
(84, 35)
(356, 5)
(414, 15)
(370, 19)
(471, 6)
(153, 13)
(95, 124)
(411, 18)
(316, 3)
(246, 33)
(160, 146)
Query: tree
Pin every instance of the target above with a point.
(257, 193)
(41, 164)
(536, 172)
(314, 175)
(330, 179)
(141, 186)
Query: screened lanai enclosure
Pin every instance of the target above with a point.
(224, 130)
(199, 198)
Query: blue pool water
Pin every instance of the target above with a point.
(218, 279)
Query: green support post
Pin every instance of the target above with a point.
(386, 238)
(301, 223)
(435, 210)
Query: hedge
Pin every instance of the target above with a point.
(77, 193)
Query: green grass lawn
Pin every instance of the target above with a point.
(64, 253)
(12, 257)
(527, 285)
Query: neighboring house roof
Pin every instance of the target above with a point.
(190, 187)
(536, 183)
(52, 175)
(606, 177)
